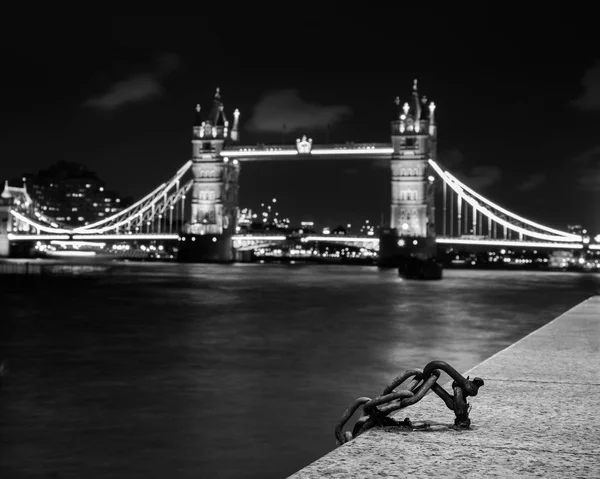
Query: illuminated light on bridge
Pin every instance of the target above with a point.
(367, 150)
(161, 199)
(36, 225)
(516, 244)
(251, 242)
(71, 253)
(128, 237)
(40, 237)
(150, 198)
(594, 246)
(259, 237)
(77, 244)
(157, 216)
(342, 239)
(90, 240)
(360, 150)
(265, 152)
(572, 237)
(444, 241)
(492, 217)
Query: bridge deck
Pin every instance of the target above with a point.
(536, 416)
(315, 152)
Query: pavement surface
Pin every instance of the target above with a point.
(538, 415)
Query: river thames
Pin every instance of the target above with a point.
(235, 371)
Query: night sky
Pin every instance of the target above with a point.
(518, 97)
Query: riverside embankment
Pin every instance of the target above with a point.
(536, 416)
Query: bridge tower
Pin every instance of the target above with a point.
(5, 223)
(414, 137)
(214, 208)
(412, 212)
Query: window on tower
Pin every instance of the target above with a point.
(207, 145)
(410, 142)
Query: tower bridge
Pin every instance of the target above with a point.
(198, 206)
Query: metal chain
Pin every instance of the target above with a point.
(376, 411)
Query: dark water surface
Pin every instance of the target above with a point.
(202, 371)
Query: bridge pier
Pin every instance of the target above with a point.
(207, 248)
(395, 249)
(242, 256)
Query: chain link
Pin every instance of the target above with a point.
(376, 411)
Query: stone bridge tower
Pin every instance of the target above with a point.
(5, 226)
(414, 137)
(214, 208)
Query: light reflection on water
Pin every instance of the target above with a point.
(234, 371)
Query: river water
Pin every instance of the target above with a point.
(236, 371)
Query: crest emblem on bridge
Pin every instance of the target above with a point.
(304, 145)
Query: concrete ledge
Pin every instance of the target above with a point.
(538, 415)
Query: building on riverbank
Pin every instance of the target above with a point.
(71, 193)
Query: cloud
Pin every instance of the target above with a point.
(588, 157)
(137, 87)
(590, 179)
(286, 107)
(590, 97)
(168, 63)
(476, 177)
(588, 169)
(451, 158)
(532, 182)
(480, 176)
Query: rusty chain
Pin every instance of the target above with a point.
(376, 411)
